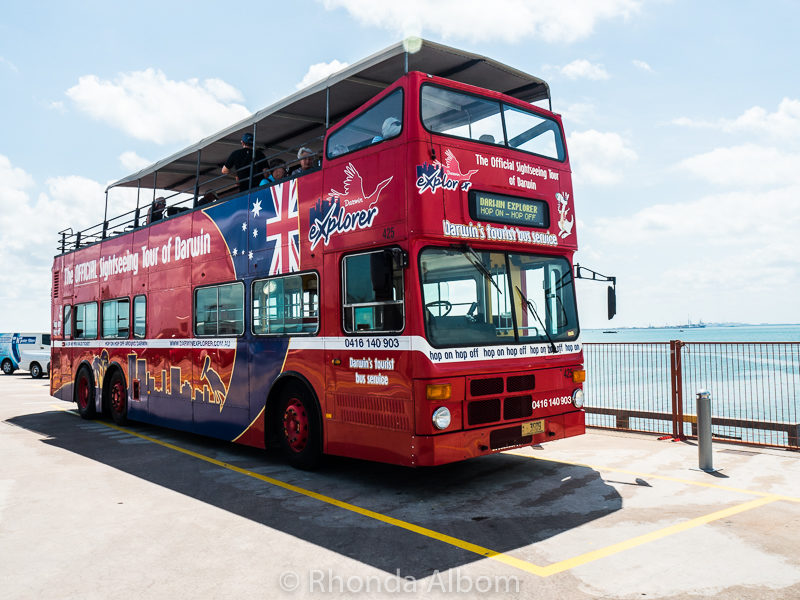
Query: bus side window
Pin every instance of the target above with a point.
(140, 317)
(219, 309)
(67, 322)
(86, 321)
(382, 121)
(372, 286)
(116, 318)
(286, 304)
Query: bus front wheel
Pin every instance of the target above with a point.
(84, 394)
(118, 399)
(298, 427)
(8, 367)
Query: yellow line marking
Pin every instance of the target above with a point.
(506, 559)
(582, 559)
(447, 539)
(661, 477)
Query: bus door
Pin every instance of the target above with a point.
(367, 382)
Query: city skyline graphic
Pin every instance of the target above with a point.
(214, 391)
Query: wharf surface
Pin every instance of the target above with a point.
(92, 510)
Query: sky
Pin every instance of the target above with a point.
(682, 121)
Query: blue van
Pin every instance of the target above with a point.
(25, 351)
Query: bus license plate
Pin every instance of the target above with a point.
(533, 427)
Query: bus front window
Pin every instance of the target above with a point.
(473, 297)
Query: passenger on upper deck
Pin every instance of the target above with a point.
(391, 127)
(156, 212)
(306, 156)
(278, 167)
(239, 161)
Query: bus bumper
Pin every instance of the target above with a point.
(431, 450)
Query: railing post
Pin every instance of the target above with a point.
(676, 386)
(794, 436)
(705, 459)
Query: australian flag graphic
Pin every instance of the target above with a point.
(261, 229)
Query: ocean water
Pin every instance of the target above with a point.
(753, 375)
(732, 333)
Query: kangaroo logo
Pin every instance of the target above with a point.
(218, 389)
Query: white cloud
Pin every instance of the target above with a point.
(133, 162)
(583, 69)
(148, 106)
(223, 91)
(319, 71)
(13, 180)
(507, 20)
(746, 165)
(579, 112)
(29, 225)
(740, 218)
(598, 157)
(9, 64)
(784, 123)
(640, 64)
(717, 257)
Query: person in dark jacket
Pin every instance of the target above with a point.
(238, 164)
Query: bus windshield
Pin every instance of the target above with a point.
(476, 297)
(472, 117)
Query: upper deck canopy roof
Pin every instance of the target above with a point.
(301, 116)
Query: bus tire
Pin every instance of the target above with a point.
(118, 399)
(8, 367)
(84, 394)
(298, 427)
(36, 370)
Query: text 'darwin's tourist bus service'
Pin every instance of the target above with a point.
(379, 266)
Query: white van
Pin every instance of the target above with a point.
(25, 351)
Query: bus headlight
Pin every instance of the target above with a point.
(577, 398)
(441, 418)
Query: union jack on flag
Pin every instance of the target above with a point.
(283, 231)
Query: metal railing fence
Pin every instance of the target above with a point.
(650, 387)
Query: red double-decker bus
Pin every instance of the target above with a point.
(404, 295)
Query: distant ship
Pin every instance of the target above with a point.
(691, 325)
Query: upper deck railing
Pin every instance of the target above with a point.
(170, 203)
(187, 176)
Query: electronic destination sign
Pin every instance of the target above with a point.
(510, 210)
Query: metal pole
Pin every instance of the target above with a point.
(252, 157)
(197, 180)
(138, 190)
(704, 431)
(105, 217)
(327, 107)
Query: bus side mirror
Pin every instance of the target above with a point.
(612, 302)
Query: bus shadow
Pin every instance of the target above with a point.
(501, 502)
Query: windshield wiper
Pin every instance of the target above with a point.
(532, 310)
(475, 260)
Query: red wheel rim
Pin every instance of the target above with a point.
(295, 425)
(117, 397)
(83, 392)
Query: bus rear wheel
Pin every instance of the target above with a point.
(298, 427)
(118, 399)
(84, 394)
(36, 370)
(8, 367)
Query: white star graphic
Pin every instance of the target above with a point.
(256, 208)
(250, 255)
(255, 232)
(235, 251)
(244, 226)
